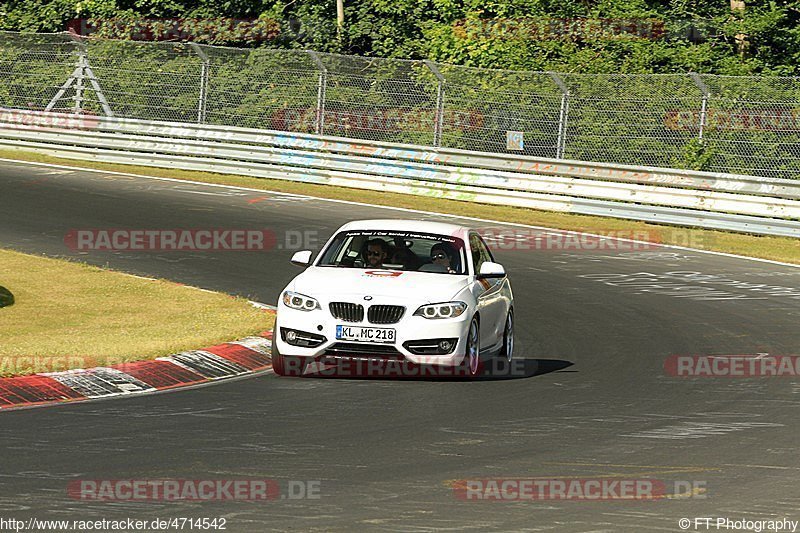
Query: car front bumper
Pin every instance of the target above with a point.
(409, 328)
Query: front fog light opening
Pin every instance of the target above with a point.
(302, 339)
(431, 346)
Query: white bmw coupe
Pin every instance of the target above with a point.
(420, 292)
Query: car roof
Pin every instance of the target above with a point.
(422, 226)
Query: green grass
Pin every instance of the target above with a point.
(72, 315)
(775, 248)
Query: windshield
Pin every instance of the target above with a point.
(396, 250)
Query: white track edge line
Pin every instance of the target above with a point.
(237, 187)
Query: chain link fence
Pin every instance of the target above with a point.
(747, 125)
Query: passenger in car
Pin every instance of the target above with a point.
(443, 254)
(407, 258)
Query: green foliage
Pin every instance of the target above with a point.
(565, 35)
(697, 155)
(617, 115)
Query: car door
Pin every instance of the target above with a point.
(489, 294)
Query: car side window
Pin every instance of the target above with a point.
(486, 253)
(480, 253)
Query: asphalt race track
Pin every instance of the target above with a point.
(594, 399)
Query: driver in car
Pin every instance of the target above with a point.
(376, 253)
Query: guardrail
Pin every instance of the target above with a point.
(703, 199)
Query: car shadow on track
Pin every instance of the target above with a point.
(522, 368)
(494, 370)
(6, 298)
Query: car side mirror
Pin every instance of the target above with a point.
(302, 258)
(491, 270)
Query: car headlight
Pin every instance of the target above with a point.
(299, 301)
(443, 310)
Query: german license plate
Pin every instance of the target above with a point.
(360, 334)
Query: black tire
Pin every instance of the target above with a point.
(472, 365)
(284, 365)
(507, 352)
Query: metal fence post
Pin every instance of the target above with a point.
(202, 101)
(322, 85)
(563, 115)
(438, 125)
(80, 73)
(83, 72)
(79, 67)
(703, 105)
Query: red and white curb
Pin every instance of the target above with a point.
(191, 368)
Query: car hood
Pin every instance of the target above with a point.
(331, 282)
